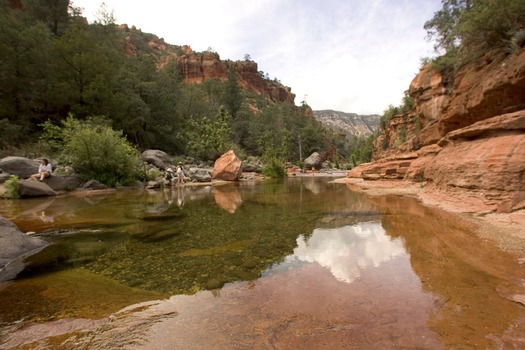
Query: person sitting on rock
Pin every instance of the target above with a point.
(44, 171)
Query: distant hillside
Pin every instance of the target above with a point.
(350, 124)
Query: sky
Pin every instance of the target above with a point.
(353, 56)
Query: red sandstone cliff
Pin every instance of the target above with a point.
(466, 141)
(197, 67)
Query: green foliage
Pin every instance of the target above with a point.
(388, 114)
(10, 133)
(517, 42)
(12, 187)
(401, 136)
(152, 174)
(360, 150)
(98, 152)
(55, 64)
(208, 138)
(466, 29)
(233, 99)
(273, 166)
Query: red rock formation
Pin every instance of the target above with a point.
(468, 142)
(228, 167)
(197, 67)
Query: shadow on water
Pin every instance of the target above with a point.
(296, 263)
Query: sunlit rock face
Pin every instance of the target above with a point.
(228, 167)
(347, 251)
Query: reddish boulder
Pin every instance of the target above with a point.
(228, 167)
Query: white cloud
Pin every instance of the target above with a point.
(348, 55)
(347, 251)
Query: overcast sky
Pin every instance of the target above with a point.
(354, 56)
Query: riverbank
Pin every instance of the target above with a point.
(506, 230)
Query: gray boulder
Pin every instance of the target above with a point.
(200, 174)
(16, 246)
(252, 165)
(93, 185)
(34, 188)
(20, 166)
(4, 177)
(63, 183)
(156, 157)
(313, 162)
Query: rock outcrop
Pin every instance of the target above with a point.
(198, 67)
(466, 140)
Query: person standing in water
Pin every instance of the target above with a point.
(180, 173)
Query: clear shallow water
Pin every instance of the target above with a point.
(300, 263)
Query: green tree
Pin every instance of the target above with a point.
(233, 99)
(24, 80)
(208, 138)
(466, 29)
(53, 13)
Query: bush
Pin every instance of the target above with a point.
(12, 187)
(98, 152)
(517, 42)
(274, 167)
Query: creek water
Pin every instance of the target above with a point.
(301, 263)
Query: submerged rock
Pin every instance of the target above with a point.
(16, 246)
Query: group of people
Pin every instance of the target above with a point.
(176, 177)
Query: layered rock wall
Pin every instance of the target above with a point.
(465, 139)
(198, 67)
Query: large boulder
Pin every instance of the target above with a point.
(34, 188)
(313, 162)
(20, 166)
(16, 246)
(158, 158)
(63, 183)
(228, 167)
(201, 174)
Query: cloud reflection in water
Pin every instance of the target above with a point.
(348, 250)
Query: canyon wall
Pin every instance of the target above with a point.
(465, 139)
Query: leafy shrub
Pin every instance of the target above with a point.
(274, 167)
(153, 173)
(98, 152)
(12, 187)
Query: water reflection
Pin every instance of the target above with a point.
(227, 197)
(299, 263)
(348, 250)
